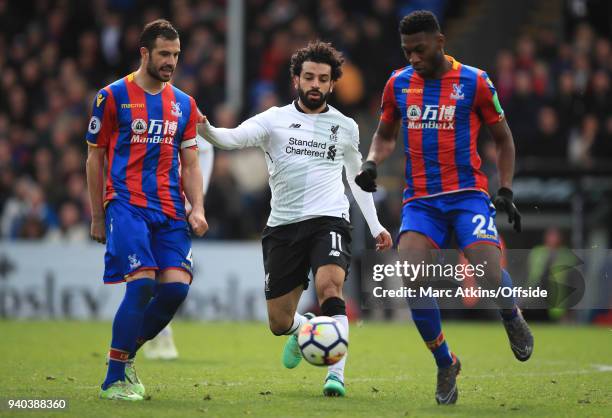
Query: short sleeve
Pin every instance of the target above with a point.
(486, 102)
(194, 117)
(102, 122)
(388, 109)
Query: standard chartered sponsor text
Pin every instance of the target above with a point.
(312, 148)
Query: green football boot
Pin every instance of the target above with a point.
(291, 353)
(120, 391)
(131, 378)
(333, 386)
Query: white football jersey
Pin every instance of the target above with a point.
(305, 154)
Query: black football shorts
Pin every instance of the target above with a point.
(291, 251)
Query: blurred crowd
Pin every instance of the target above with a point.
(55, 55)
(558, 98)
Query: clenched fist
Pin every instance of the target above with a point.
(197, 221)
(98, 229)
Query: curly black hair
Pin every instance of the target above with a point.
(320, 52)
(419, 21)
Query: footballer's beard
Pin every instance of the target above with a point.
(312, 103)
(156, 73)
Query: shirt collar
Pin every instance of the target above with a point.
(295, 103)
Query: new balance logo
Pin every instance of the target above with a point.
(267, 283)
(334, 253)
(295, 126)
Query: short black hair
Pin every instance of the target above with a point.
(419, 21)
(156, 29)
(320, 52)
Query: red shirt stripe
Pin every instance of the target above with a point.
(449, 176)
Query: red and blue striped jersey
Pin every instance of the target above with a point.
(143, 134)
(440, 121)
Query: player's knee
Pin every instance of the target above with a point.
(333, 306)
(175, 275)
(141, 291)
(280, 324)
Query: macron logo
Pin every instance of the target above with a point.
(295, 126)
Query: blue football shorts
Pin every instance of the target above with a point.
(469, 214)
(143, 239)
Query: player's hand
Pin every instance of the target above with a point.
(503, 202)
(98, 229)
(384, 241)
(202, 118)
(367, 176)
(197, 221)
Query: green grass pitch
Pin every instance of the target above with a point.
(234, 370)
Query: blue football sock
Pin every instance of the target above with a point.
(128, 320)
(426, 317)
(160, 311)
(509, 309)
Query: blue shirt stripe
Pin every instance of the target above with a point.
(463, 162)
(431, 97)
(121, 150)
(151, 158)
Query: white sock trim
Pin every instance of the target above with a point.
(298, 321)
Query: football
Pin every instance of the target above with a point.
(323, 341)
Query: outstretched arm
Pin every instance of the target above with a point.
(250, 133)
(365, 201)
